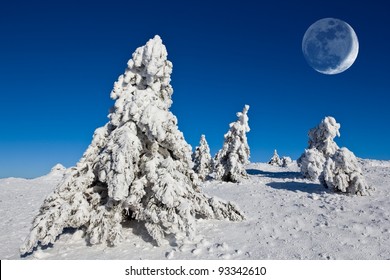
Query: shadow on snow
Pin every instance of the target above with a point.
(290, 186)
(278, 175)
(298, 186)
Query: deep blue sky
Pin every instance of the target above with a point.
(59, 60)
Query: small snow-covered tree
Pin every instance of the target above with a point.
(342, 173)
(230, 161)
(138, 166)
(321, 147)
(202, 159)
(275, 160)
(279, 161)
(335, 167)
(286, 161)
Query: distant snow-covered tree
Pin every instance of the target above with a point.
(230, 161)
(138, 166)
(202, 159)
(279, 161)
(321, 147)
(275, 160)
(286, 161)
(342, 173)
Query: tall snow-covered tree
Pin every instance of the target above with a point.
(202, 159)
(275, 160)
(321, 147)
(230, 161)
(342, 173)
(138, 166)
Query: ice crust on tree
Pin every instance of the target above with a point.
(230, 161)
(202, 159)
(312, 164)
(342, 173)
(322, 136)
(321, 147)
(138, 166)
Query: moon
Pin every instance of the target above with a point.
(330, 46)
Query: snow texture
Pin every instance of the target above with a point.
(343, 173)
(312, 164)
(138, 166)
(58, 168)
(230, 161)
(202, 159)
(288, 217)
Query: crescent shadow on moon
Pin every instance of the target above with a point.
(330, 46)
(351, 57)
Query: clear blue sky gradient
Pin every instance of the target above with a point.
(59, 60)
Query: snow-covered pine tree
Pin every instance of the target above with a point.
(202, 159)
(335, 167)
(275, 160)
(342, 173)
(279, 161)
(230, 161)
(321, 147)
(138, 166)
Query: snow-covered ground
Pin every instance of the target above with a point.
(287, 217)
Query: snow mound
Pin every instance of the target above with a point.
(58, 168)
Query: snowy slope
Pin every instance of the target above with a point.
(20, 200)
(287, 217)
